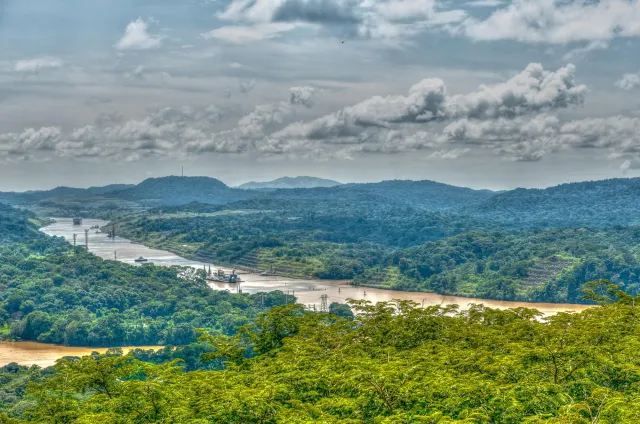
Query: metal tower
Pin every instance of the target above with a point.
(323, 303)
(86, 239)
(74, 244)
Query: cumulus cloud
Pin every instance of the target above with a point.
(558, 21)
(167, 132)
(30, 140)
(302, 96)
(263, 19)
(628, 81)
(514, 119)
(38, 64)
(137, 37)
(533, 90)
(532, 138)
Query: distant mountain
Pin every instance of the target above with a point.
(180, 191)
(594, 204)
(427, 195)
(27, 197)
(289, 183)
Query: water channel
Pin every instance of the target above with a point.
(307, 292)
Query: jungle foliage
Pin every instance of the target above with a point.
(395, 363)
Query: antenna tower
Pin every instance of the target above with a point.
(74, 244)
(323, 303)
(86, 239)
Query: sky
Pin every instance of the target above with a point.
(480, 93)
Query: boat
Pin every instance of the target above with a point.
(269, 273)
(221, 277)
(77, 221)
(141, 259)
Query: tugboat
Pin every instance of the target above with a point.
(77, 221)
(141, 259)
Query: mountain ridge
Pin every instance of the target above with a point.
(289, 183)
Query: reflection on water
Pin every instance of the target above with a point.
(307, 292)
(44, 355)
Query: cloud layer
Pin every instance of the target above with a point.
(137, 37)
(515, 119)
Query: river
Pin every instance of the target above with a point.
(44, 355)
(307, 292)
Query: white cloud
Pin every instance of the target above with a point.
(558, 22)
(242, 34)
(533, 90)
(380, 19)
(581, 52)
(302, 96)
(449, 154)
(137, 37)
(37, 64)
(628, 81)
(485, 3)
(30, 140)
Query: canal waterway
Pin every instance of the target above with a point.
(307, 292)
(44, 355)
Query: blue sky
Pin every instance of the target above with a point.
(478, 93)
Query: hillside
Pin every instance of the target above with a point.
(551, 265)
(181, 190)
(17, 225)
(427, 195)
(28, 197)
(290, 182)
(595, 204)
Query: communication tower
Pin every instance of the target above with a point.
(323, 303)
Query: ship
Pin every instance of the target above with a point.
(141, 259)
(77, 221)
(221, 277)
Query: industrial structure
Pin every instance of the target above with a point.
(221, 277)
(77, 220)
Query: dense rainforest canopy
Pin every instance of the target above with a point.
(395, 363)
(50, 292)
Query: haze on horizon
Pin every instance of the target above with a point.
(484, 94)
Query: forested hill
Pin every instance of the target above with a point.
(428, 195)
(182, 190)
(595, 204)
(549, 266)
(16, 198)
(53, 293)
(290, 182)
(17, 225)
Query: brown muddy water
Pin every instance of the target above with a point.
(44, 355)
(308, 292)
